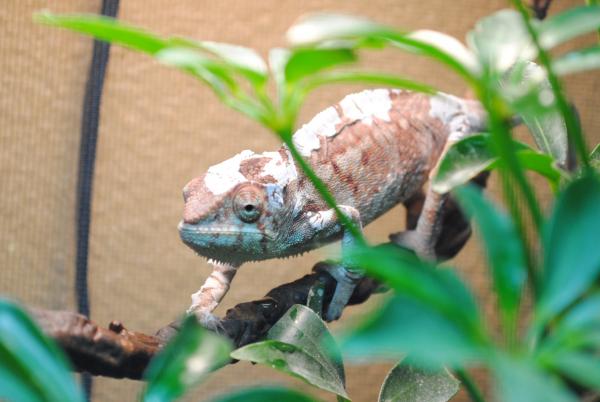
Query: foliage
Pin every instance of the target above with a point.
(433, 316)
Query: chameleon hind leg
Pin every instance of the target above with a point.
(423, 238)
(345, 276)
(214, 289)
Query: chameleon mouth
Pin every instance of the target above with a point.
(226, 244)
(191, 229)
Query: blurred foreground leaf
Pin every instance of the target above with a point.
(569, 24)
(506, 258)
(404, 326)
(32, 368)
(522, 381)
(571, 252)
(184, 362)
(262, 394)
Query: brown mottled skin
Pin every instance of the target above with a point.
(374, 150)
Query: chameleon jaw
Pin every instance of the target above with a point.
(223, 243)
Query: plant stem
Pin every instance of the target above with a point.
(573, 127)
(470, 386)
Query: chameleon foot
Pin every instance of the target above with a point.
(346, 282)
(410, 239)
(208, 320)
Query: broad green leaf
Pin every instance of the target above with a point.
(314, 300)
(522, 381)
(320, 27)
(306, 62)
(500, 40)
(464, 160)
(406, 383)
(263, 394)
(578, 61)
(441, 289)
(569, 24)
(245, 59)
(581, 367)
(571, 253)
(300, 344)
(472, 155)
(327, 27)
(526, 88)
(404, 326)
(579, 327)
(31, 366)
(184, 362)
(506, 258)
(448, 45)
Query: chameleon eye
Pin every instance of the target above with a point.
(248, 204)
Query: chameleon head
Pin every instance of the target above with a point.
(230, 211)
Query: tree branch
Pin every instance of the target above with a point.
(118, 352)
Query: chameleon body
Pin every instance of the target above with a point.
(374, 149)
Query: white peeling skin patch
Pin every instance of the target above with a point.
(281, 170)
(367, 104)
(306, 139)
(226, 175)
(451, 111)
(223, 177)
(363, 106)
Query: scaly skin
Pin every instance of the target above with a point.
(374, 149)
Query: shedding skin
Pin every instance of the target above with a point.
(374, 149)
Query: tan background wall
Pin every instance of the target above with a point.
(159, 128)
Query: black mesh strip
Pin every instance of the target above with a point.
(87, 157)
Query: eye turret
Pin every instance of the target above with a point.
(248, 203)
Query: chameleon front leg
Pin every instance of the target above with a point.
(345, 275)
(206, 300)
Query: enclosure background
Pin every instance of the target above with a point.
(159, 128)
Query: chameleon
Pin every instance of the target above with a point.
(373, 149)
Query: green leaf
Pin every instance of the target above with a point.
(327, 28)
(464, 160)
(529, 93)
(106, 29)
(184, 362)
(314, 300)
(306, 62)
(522, 381)
(300, 344)
(579, 327)
(500, 40)
(595, 158)
(369, 78)
(578, 61)
(571, 253)
(472, 155)
(506, 258)
(569, 24)
(32, 368)
(320, 27)
(581, 367)
(441, 289)
(406, 326)
(247, 61)
(406, 383)
(262, 394)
